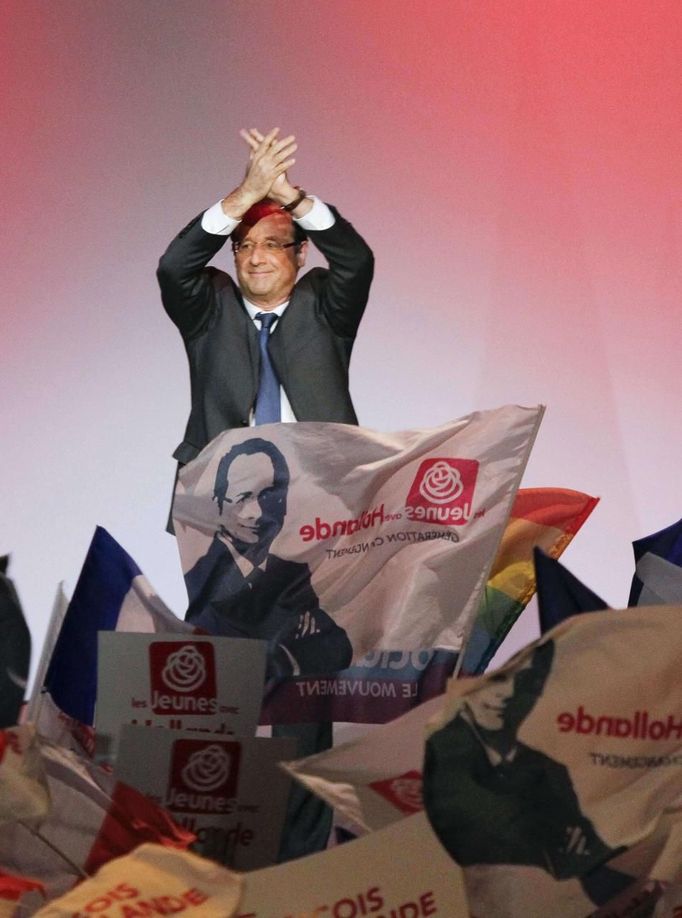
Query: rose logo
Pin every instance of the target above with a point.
(404, 792)
(185, 670)
(441, 484)
(408, 793)
(207, 769)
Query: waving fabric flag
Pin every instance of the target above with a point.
(154, 881)
(661, 581)
(112, 594)
(15, 650)
(23, 786)
(385, 684)
(560, 594)
(13, 890)
(653, 887)
(400, 872)
(666, 544)
(564, 765)
(553, 781)
(546, 518)
(330, 542)
(59, 607)
(91, 820)
(376, 779)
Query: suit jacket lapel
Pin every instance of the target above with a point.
(291, 328)
(250, 332)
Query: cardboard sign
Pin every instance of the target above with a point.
(229, 792)
(208, 684)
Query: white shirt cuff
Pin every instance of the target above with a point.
(216, 221)
(319, 217)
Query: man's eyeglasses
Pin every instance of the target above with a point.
(271, 246)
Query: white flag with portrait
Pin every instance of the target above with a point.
(553, 781)
(329, 541)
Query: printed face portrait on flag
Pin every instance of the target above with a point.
(329, 541)
(491, 798)
(566, 759)
(250, 489)
(554, 781)
(240, 588)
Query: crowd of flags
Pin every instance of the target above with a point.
(598, 696)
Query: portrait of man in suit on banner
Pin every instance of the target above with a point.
(239, 588)
(492, 799)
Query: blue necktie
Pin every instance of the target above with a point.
(268, 398)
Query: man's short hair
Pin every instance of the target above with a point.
(252, 447)
(265, 208)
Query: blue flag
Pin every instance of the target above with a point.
(111, 595)
(666, 544)
(560, 594)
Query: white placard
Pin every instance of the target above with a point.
(230, 792)
(210, 684)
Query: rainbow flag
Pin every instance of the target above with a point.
(546, 518)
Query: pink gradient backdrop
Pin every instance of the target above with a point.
(515, 166)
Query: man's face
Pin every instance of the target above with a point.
(266, 278)
(489, 703)
(249, 480)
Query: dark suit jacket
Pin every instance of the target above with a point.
(277, 605)
(512, 813)
(310, 345)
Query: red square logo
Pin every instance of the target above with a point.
(203, 776)
(183, 678)
(404, 791)
(443, 492)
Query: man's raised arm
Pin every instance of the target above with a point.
(186, 288)
(351, 262)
